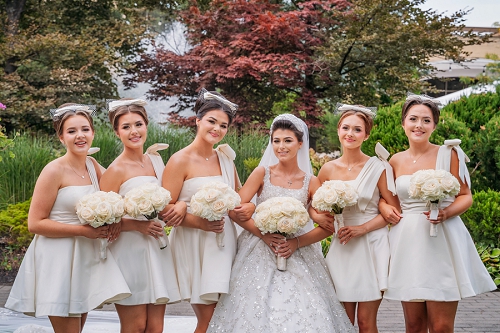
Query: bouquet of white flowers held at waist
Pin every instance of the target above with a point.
(100, 208)
(334, 196)
(148, 200)
(432, 186)
(212, 202)
(283, 215)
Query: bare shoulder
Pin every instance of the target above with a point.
(178, 158)
(115, 172)
(327, 169)
(397, 158)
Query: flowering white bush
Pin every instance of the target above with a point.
(284, 215)
(100, 208)
(148, 200)
(213, 200)
(433, 185)
(333, 196)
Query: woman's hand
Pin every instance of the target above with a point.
(94, 233)
(244, 212)
(273, 240)
(442, 216)
(287, 248)
(212, 226)
(150, 228)
(390, 213)
(175, 215)
(114, 231)
(345, 234)
(323, 219)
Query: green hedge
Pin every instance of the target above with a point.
(483, 218)
(14, 225)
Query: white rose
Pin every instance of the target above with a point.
(330, 198)
(145, 207)
(86, 215)
(104, 212)
(218, 208)
(131, 208)
(431, 190)
(286, 225)
(118, 210)
(450, 185)
(275, 211)
(211, 194)
(287, 208)
(159, 202)
(149, 188)
(196, 208)
(92, 202)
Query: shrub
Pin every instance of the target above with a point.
(491, 260)
(14, 225)
(483, 218)
(251, 163)
(18, 175)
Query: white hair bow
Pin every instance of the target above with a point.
(369, 111)
(57, 113)
(115, 104)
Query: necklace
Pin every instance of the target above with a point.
(142, 165)
(352, 166)
(416, 159)
(83, 176)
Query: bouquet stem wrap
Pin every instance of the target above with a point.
(220, 239)
(103, 248)
(434, 207)
(163, 238)
(281, 263)
(339, 222)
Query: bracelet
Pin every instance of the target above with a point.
(298, 242)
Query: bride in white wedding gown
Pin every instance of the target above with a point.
(262, 298)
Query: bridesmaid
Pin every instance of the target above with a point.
(202, 268)
(148, 270)
(364, 239)
(429, 275)
(79, 281)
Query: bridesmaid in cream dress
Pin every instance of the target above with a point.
(429, 275)
(203, 268)
(62, 275)
(148, 270)
(358, 258)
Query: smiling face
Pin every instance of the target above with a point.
(418, 123)
(285, 144)
(352, 131)
(77, 134)
(132, 130)
(213, 126)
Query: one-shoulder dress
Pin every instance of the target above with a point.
(442, 268)
(148, 270)
(202, 267)
(360, 268)
(65, 277)
(262, 298)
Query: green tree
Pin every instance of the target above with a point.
(54, 52)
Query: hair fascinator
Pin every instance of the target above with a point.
(114, 104)
(414, 97)
(206, 95)
(59, 112)
(369, 111)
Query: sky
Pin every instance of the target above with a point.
(483, 14)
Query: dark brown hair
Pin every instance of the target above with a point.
(430, 104)
(115, 115)
(366, 119)
(284, 124)
(59, 121)
(203, 106)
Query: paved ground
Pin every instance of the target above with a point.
(480, 314)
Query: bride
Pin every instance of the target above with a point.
(261, 298)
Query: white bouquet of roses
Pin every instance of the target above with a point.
(212, 202)
(432, 186)
(334, 196)
(283, 215)
(148, 200)
(98, 209)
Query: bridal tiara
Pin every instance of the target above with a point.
(297, 122)
(59, 112)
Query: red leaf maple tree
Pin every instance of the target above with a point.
(254, 52)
